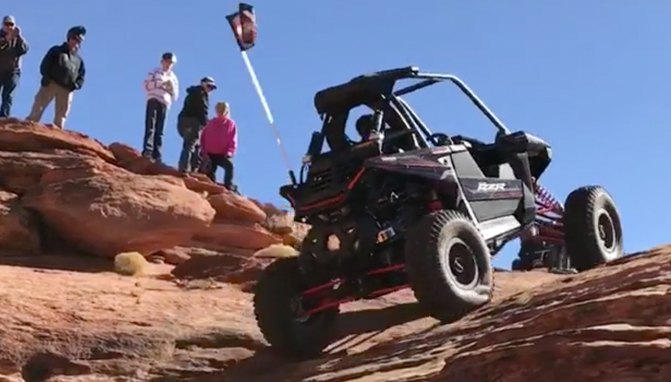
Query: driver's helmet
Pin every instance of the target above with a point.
(365, 125)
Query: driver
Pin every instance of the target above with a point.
(365, 125)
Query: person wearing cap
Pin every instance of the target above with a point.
(63, 72)
(162, 88)
(190, 122)
(12, 47)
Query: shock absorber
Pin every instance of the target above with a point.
(545, 197)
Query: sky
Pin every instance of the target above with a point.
(589, 77)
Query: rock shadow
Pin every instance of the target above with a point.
(59, 262)
(360, 326)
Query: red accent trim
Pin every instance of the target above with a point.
(321, 287)
(356, 178)
(291, 200)
(328, 303)
(390, 268)
(383, 291)
(338, 198)
(334, 282)
(333, 303)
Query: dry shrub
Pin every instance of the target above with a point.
(275, 251)
(130, 264)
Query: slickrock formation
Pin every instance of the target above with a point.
(68, 204)
(103, 200)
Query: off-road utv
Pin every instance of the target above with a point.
(405, 207)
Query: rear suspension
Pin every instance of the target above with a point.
(342, 295)
(549, 213)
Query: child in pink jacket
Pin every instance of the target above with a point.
(218, 142)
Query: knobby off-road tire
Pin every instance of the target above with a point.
(275, 300)
(592, 228)
(434, 246)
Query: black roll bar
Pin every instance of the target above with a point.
(432, 78)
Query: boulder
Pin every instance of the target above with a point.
(19, 228)
(235, 207)
(269, 208)
(280, 223)
(107, 210)
(237, 234)
(18, 135)
(173, 256)
(199, 185)
(21, 171)
(124, 153)
(131, 159)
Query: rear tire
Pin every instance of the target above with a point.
(276, 299)
(592, 228)
(448, 265)
(517, 266)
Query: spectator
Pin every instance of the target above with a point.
(191, 121)
(12, 47)
(162, 89)
(62, 72)
(218, 143)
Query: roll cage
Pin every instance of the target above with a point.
(376, 90)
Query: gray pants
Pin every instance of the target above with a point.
(43, 98)
(189, 129)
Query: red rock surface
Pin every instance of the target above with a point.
(19, 231)
(105, 200)
(116, 211)
(68, 317)
(608, 324)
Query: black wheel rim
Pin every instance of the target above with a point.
(461, 263)
(606, 231)
(298, 313)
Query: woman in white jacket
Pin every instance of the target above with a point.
(162, 89)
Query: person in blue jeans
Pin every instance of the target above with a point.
(191, 121)
(12, 47)
(162, 88)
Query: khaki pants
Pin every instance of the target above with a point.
(44, 97)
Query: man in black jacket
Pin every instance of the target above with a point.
(192, 120)
(62, 72)
(12, 47)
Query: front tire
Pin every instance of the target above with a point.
(278, 311)
(448, 265)
(592, 228)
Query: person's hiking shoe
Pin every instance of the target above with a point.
(233, 188)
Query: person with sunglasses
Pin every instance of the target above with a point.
(63, 72)
(12, 47)
(191, 121)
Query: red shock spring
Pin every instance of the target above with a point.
(545, 197)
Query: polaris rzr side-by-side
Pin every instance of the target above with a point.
(406, 207)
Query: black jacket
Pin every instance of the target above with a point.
(11, 52)
(63, 67)
(196, 104)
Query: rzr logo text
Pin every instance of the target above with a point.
(490, 187)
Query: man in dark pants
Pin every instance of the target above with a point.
(12, 47)
(191, 121)
(162, 88)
